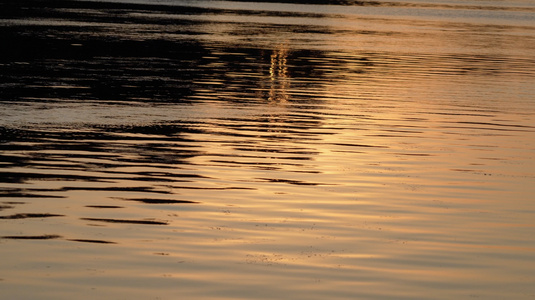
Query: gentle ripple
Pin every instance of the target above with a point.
(260, 150)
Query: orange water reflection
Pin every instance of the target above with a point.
(278, 74)
(292, 155)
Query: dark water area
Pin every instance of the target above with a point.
(269, 149)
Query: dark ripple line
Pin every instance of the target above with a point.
(2, 207)
(359, 145)
(277, 150)
(20, 177)
(156, 201)
(144, 222)
(91, 241)
(217, 189)
(115, 189)
(253, 163)
(284, 158)
(289, 181)
(32, 237)
(413, 154)
(53, 236)
(159, 174)
(104, 206)
(27, 195)
(29, 215)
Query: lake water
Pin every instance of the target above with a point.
(245, 150)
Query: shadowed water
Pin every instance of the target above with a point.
(267, 150)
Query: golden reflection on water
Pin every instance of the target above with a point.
(278, 74)
(261, 169)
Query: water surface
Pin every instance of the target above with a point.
(262, 150)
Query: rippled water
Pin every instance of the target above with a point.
(246, 150)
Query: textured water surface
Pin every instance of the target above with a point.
(263, 150)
